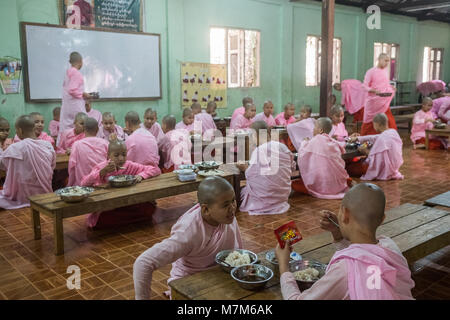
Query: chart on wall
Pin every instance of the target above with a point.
(203, 82)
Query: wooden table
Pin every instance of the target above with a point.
(436, 132)
(406, 108)
(417, 230)
(405, 118)
(104, 199)
(442, 200)
(62, 162)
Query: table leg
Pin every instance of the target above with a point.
(426, 140)
(247, 148)
(58, 234)
(237, 188)
(36, 220)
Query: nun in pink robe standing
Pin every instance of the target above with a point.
(353, 97)
(29, 166)
(206, 229)
(73, 96)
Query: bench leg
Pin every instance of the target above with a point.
(58, 234)
(36, 220)
(426, 140)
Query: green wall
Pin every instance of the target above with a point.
(184, 28)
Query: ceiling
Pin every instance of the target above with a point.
(437, 10)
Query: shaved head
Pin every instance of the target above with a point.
(80, 116)
(133, 118)
(116, 145)
(427, 100)
(336, 110)
(4, 122)
(75, 57)
(56, 111)
(248, 106)
(196, 107)
(149, 111)
(91, 126)
(212, 187)
(366, 203)
(383, 56)
(187, 112)
(381, 119)
(25, 123)
(247, 100)
(33, 114)
(169, 121)
(306, 108)
(108, 115)
(325, 124)
(211, 105)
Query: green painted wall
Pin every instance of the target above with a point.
(184, 28)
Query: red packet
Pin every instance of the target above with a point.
(288, 232)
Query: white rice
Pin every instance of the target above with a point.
(236, 259)
(309, 274)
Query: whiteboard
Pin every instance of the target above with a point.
(118, 65)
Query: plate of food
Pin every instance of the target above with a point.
(229, 259)
(271, 257)
(74, 194)
(439, 125)
(122, 180)
(307, 272)
(211, 173)
(208, 165)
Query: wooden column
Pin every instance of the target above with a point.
(326, 68)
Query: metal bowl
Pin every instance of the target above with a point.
(252, 276)
(305, 264)
(186, 166)
(440, 125)
(208, 165)
(222, 255)
(74, 194)
(122, 180)
(271, 257)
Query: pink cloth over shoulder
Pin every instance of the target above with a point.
(176, 148)
(419, 125)
(29, 168)
(444, 112)
(376, 79)
(281, 120)
(53, 128)
(191, 248)
(437, 103)
(207, 121)
(43, 136)
(67, 139)
(97, 115)
(240, 110)
(301, 130)
(155, 130)
(182, 125)
(339, 131)
(262, 117)
(385, 157)
(427, 88)
(322, 167)
(353, 95)
(142, 148)
(104, 134)
(72, 99)
(6, 143)
(85, 155)
(268, 180)
(240, 122)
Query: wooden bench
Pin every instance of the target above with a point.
(405, 118)
(407, 108)
(105, 198)
(436, 132)
(62, 162)
(442, 200)
(417, 230)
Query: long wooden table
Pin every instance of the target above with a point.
(106, 198)
(417, 230)
(436, 132)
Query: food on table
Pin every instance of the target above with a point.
(308, 274)
(236, 259)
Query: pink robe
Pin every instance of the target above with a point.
(72, 100)
(6, 143)
(437, 103)
(142, 148)
(385, 158)
(419, 125)
(268, 180)
(155, 130)
(207, 122)
(29, 168)
(262, 117)
(67, 139)
(53, 128)
(97, 115)
(427, 88)
(176, 148)
(353, 95)
(339, 131)
(281, 120)
(104, 134)
(444, 112)
(182, 125)
(347, 275)
(240, 110)
(240, 122)
(43, 136)
(301, 130)
(322, 167)
(85, 155)
(191, 248)
(376, 79)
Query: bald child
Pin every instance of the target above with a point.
(151, 124)
(188, 121)
(244, 121)
(109, 129)
(38, 119)
(287, 116)
(204, 120)
(338, 131)
(266, 115)
(206, 229)
(68, 137)
(5, 142)
(364, 267)
(241, 110)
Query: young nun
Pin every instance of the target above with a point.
(176, 146)
(353, 97)
(208, 126)
(322, 168)
(268, 175)
(211, 108)
(241, 110)
(92, 113)
(244, 121)
(206, 229)
(53, 126)
(38, 129)
(359, 250)
(303, 129)
(266, 115)
(5, 142)
(437, 103)
(86, 153)
(117, 164)
(385, 157)
(151, 124)
(338, 131)
(68, 137)
(141, 144)
(188, 121)
(109, 129)
(29, 166)
(287, 116)
(423, 120)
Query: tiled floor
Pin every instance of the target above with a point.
(30, 270)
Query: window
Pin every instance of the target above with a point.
(432, 64)
(239, 49)
(313, 60)
(392, 50)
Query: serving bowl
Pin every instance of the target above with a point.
(74, 194)
(252, 276)
(271, 257)
(122, 180)
(222, 255)
(305, 264)
(208, 165)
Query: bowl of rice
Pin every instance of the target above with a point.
(74, 194)
(235, 258)
(122, 180)
(252, 276)
(307, 272)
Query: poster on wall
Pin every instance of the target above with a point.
(203, 82)
(109, 14)
(10, 74)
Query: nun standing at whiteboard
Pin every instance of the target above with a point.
(73, 97)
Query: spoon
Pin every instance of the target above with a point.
(337, 225)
